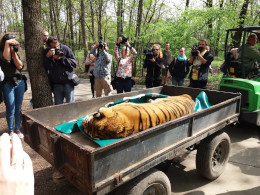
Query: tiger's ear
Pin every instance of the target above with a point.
(99, 115)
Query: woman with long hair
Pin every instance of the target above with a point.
(13, 84)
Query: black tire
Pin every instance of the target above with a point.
(212, 155)
(151, 182)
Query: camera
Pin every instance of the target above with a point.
(194, 49)
(58, 51)
(124, 39)
(149, 53)
(7, 37)
(101, 44)
(15, 47)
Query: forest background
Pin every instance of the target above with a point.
(78, 23)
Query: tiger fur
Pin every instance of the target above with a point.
(126, 119)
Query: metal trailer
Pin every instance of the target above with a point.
(129, 163)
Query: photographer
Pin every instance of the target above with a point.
(102, 69)
(13, 84)
(60, 62)
(124, 65)
(154, 64)
(200, 60)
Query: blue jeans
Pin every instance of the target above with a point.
(13, 98)
(62, 91)
(178, 81)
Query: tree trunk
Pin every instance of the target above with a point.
(138, 30)
(41, 89)
(131, 16)
(99, 18)
(237, 36)
(51, 16)
(218, 30)
(119, 14)
(71, 24)
(92, 31)
(209, 4)
(187, 4)
(55, 17)
(83, 29)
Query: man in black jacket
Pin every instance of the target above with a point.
(200, 66)
(60, 62)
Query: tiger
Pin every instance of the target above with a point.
(126, 119)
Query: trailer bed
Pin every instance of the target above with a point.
(95, 169)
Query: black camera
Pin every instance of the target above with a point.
(58, 51)
(194, 49)
(101, 44)
(7, 37)
(15, 47)
(149, 53)
(124, 39)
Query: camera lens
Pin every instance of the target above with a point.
(15, 48)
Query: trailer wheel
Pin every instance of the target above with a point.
(150, 183)
(212, 155)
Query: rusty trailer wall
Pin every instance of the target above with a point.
(92, 168)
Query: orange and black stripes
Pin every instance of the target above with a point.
(127, 118)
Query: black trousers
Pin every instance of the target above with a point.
(92, 82)
(198, 84)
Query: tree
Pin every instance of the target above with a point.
(242, 17)
(119, 14)
(138, 29)
(41, 90)
(83, 29)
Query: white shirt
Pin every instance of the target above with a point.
(2, 76)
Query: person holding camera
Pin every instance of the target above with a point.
(200, 60)
(124, 65)
(13, 84)
(154, 63)
(179, 68)
(102, 69)
(89, 68)
(60, 62)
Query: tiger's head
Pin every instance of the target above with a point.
(105, 124)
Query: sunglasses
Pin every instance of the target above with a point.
(156, 49)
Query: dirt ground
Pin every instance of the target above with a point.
(42, 169)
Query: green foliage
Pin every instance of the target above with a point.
(159, 24)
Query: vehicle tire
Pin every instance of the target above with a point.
(212, 155)
(151, 182)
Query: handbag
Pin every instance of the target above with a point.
(24, 78)
(75, 79)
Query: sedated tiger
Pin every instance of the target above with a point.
(126, 119)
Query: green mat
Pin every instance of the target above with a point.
(201, 102)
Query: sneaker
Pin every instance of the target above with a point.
(19, 133)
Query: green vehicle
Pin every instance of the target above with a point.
(234, 78)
